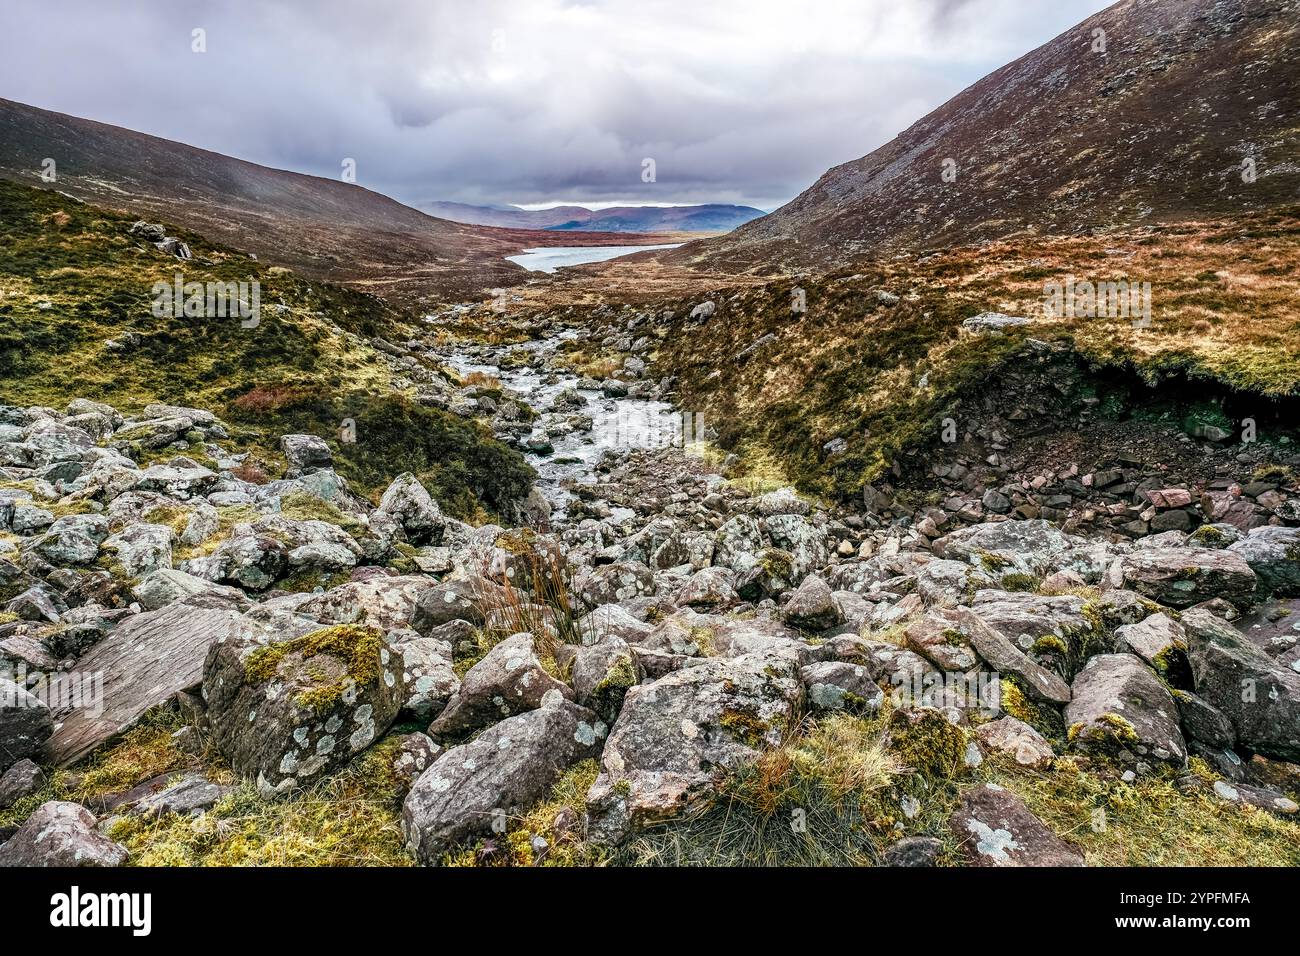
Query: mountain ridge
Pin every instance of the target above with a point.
(1029, 143)
(702, 217)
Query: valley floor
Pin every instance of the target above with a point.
(678, 663)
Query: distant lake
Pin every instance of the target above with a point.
(550, 258)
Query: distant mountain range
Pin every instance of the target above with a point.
(1150, 111)
(708, 217)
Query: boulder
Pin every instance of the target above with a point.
(61, 834)
(1003, 656)
(165, 586)
(428, 679)
(25, 724)
(1119, 708)
(841, 685)
(508, 680)
(995, 828)
(1154, 639)
(21, 780)
(1260, 697)
(462, 599)
(1181, 577)
(678, 736)
(410, 505)
(141, 548)
(306, 451)
(472, 789)
(709, 588)
(613, 620)
(992, 323)
(1273, 553)
(937, 637)
(143, 662)
(614, 583)
(812, 606)
(191, 795)
(1026, 746)
(289, 710)
(602, 675)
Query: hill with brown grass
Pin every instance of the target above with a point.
(1151, 111)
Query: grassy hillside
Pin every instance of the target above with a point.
(881, 375)
(73, 280)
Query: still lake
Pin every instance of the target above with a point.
(550, 258)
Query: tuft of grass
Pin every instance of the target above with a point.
(351, 818)
(1149, 822)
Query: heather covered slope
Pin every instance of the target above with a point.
(1064, 141)
(879, 357)
(76, 321)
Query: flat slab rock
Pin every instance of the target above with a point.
(997, 829)
(143, 662)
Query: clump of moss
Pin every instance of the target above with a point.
(702, 637)
(1279, 474)
(993, 562)
(1107, 733)
(303, 506)
(745, 726)
(928, 742)
(469, 652)
(607, 696)
(175, 517)
(1050, 644)
(356, 647)
(1209, 536)
(1043, 718)
(1019, 582)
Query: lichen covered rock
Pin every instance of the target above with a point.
(286, 712)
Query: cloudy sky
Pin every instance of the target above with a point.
(524, 101)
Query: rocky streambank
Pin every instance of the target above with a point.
(653, 636)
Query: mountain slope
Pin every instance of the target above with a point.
(707, 217)
(323, 228)
(1067, 140)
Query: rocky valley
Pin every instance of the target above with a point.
(826, 542)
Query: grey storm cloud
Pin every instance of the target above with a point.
(524, 101)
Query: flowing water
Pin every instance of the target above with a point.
(617, 423)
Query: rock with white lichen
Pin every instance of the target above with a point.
(510, 679)
(61, 834)
(677, 737)
(995, 828)
(286, 712)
